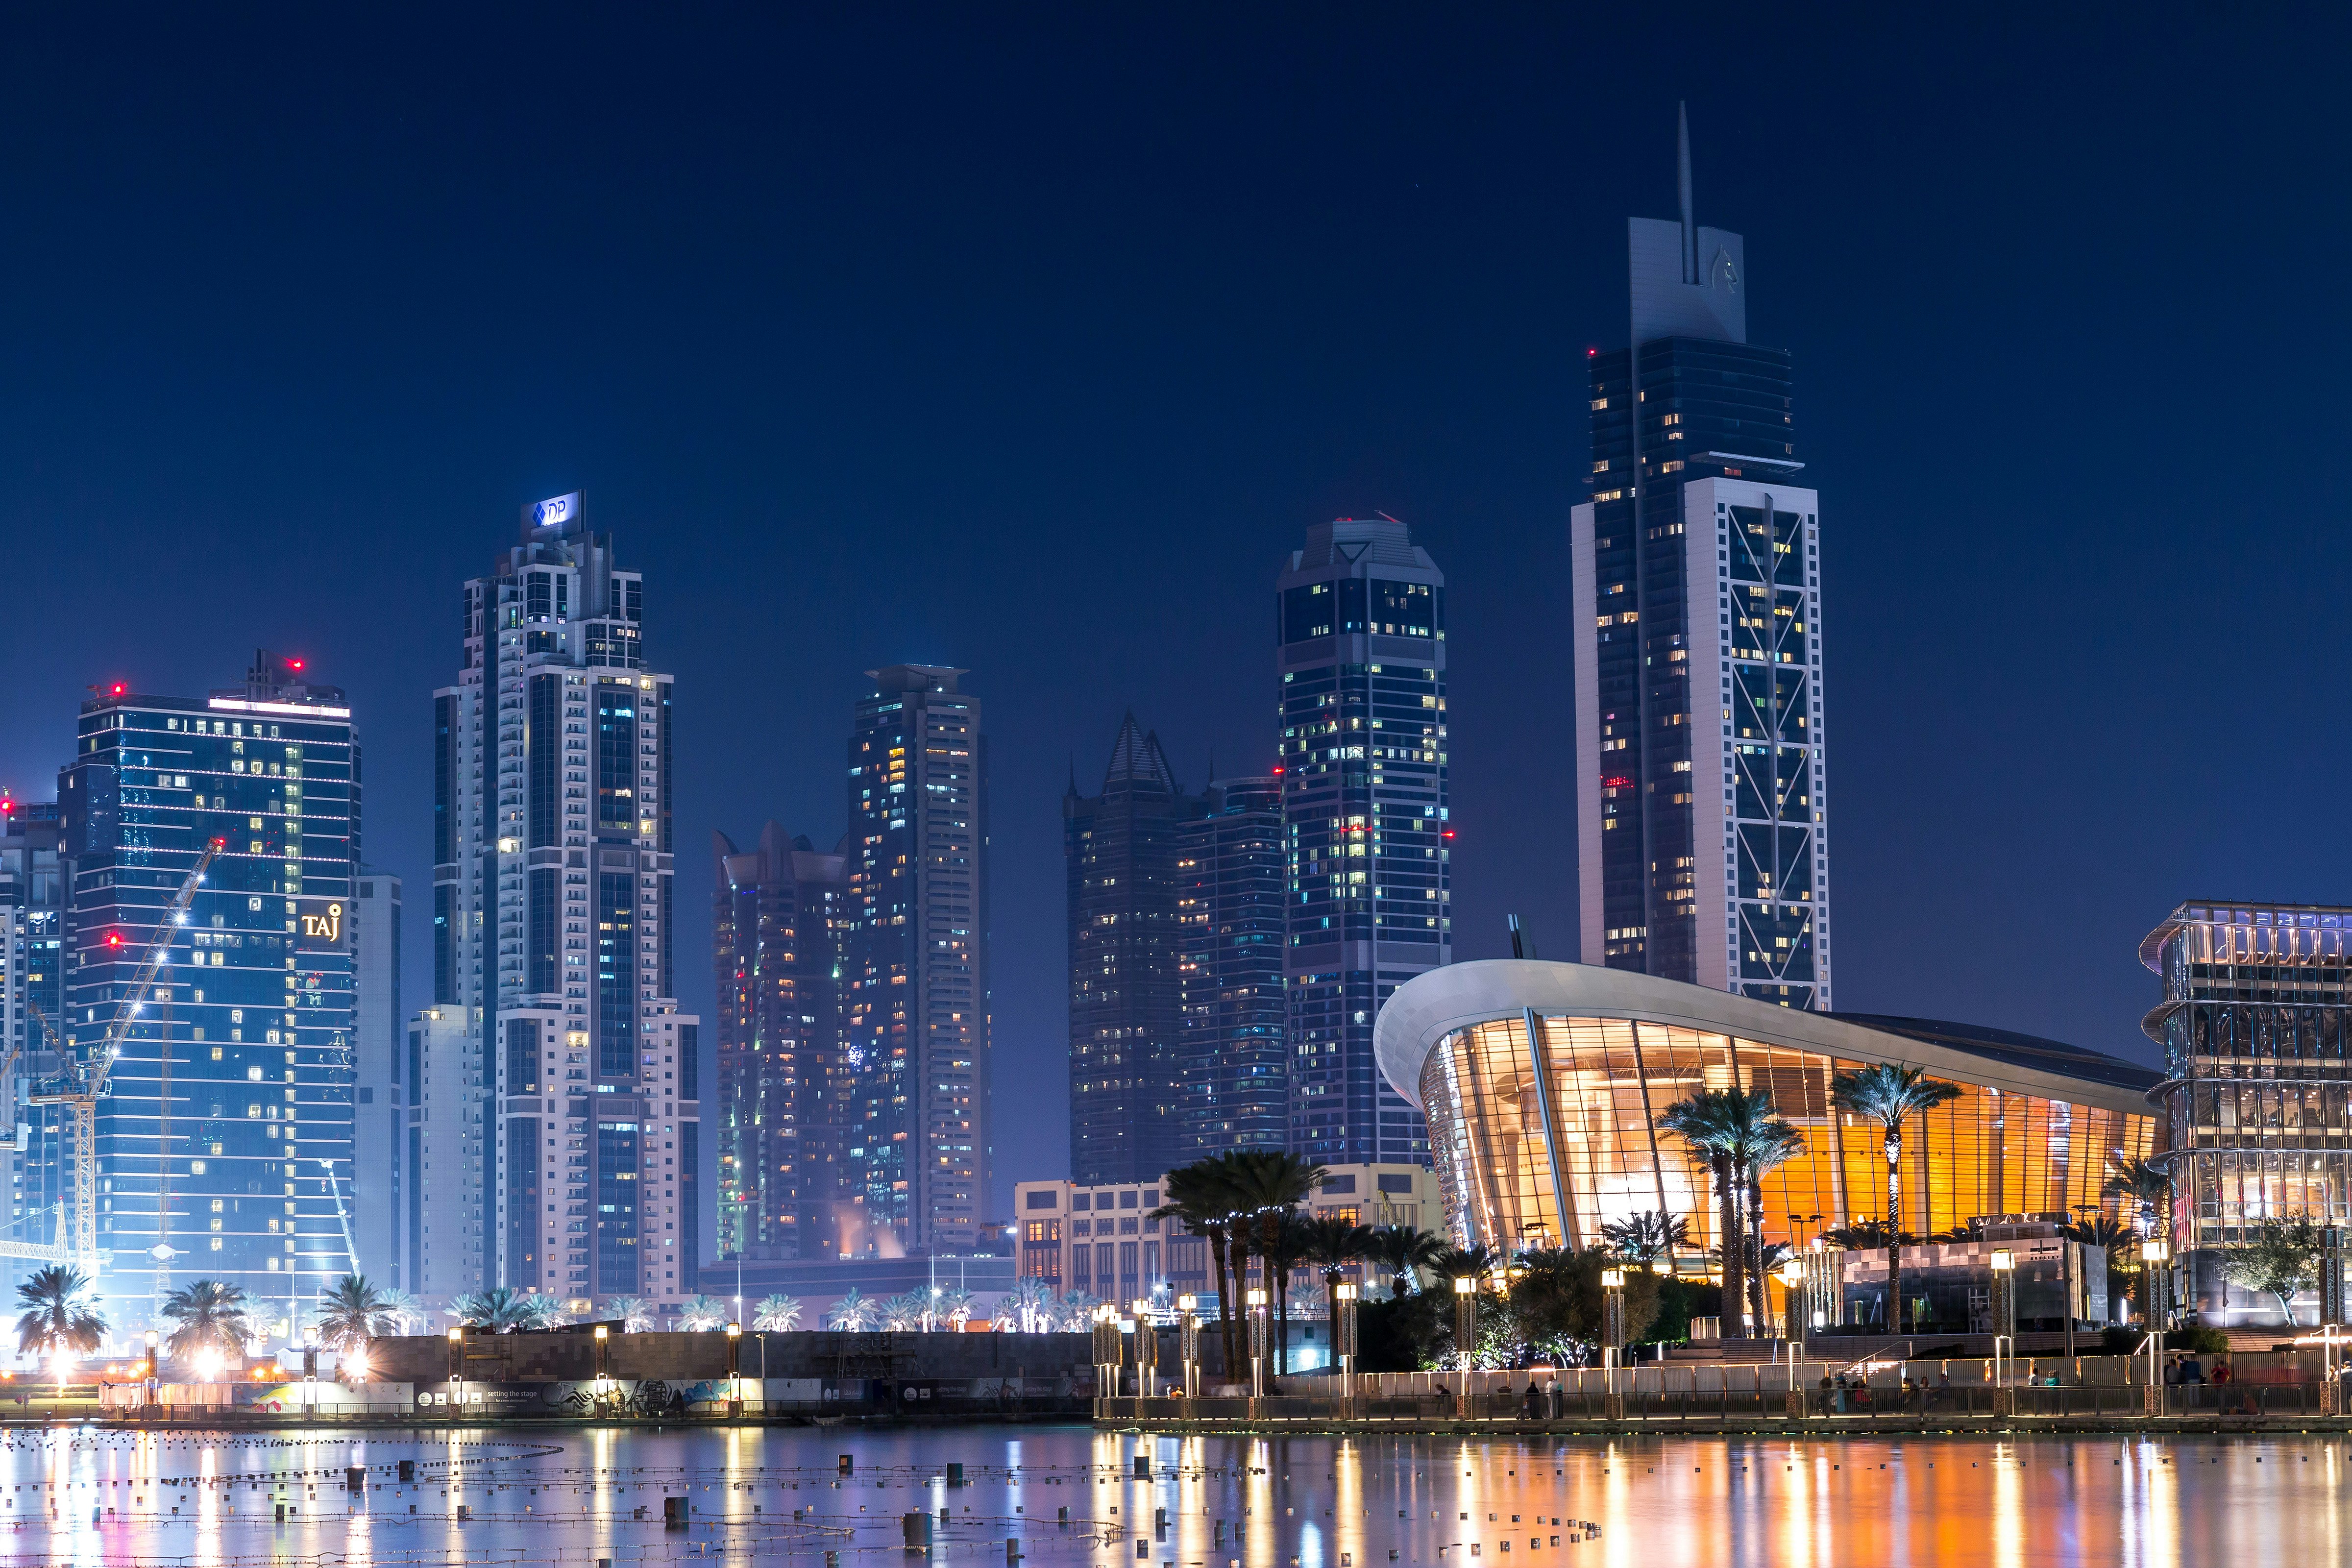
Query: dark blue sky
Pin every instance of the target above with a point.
(1032, 345)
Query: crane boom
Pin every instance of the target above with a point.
(84, 1082)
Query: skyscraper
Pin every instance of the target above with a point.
(379, 1103)
(1233, 1077)
(776, 951)
(224, 1139)
(914, 949)
(1702, 813)
(1360, 613)
(1120, 852)
(560, 1148)
(33, 908)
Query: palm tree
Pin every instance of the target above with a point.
(700, 1314)
(58, 1315)
(1405, 1251)
(953, 1307)
(1888, 1094)
(1031, 1306)
(1282, 1256)
(1332, 1244)
(635, 1313)
(1648, 1236)
(854, 1313)
(1763, 1143)
(776, 1314)
(1200, 1197)
(211, 1316)
(1268, 1186)
(504, 1310)
(2121, 1244)
(1466, 1262)
(353, 1312)
(1077, 1310)
(2146, 1183)
(1708, 1122)
(407, 1313)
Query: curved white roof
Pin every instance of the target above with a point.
(1427, 1008)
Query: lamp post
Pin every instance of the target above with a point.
(457, 1367)
(604, 1367)
(2156, 1267)
(1465, 1333)
(310, 1370)
(734, 1370)
(1343, 1338)
(1257, 1337)
(2004, 1316)
(1612, 1339)
(154, 1393)
(1188, 1343)
(1147, 1350)
(1795, 1311)
(1107, 1356)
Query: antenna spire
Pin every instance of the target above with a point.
(1683, 180)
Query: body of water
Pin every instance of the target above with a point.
(574, 1497)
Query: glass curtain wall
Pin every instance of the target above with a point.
(1983, 1154)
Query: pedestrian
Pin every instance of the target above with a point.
(1944, 1388)
(1825, 1394)
(1533, 1404)
(1555, 1397)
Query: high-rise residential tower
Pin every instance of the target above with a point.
(224, 1137)
(378, 1101)
(557, 1076)
(1233, 1078)
(33, 908)
(915, 962)
(1702, 814)
(783, 1176)
(1120, 852)
(1361, 619)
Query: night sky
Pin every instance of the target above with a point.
(1032, 347)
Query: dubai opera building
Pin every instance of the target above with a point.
(1542, 1083)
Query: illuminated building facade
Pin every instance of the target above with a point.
(1702, 810)
(31, 978)
(915, 964)
(1235, 1085)
(558, 1094)
(225, 1136)
(1360, 623)
(1545, 1154)
(776, 952)
(2257, 1026)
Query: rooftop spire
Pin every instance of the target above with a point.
(1683, 182)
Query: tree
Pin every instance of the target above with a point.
(2146, 1183)
(1707, 1122)
(57, 1313)
(2121, 1244)
(1405, 1251)
(504, 1310)
(1890, 1094)
(1031, 1306)
(1555, 1303)
(2281, 1258)
(853, 1314)
(952, 1306)
(353, 1312)
(1332, 1244)
(407, 1313)
(211, 1316)
(1078, 1312)
(776, 1314)
(1267, 1186)
(701, 1314)
(1648, 1236)
(1762, 1143)
(634, 1313)
(1201, 1197)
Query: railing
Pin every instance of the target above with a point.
(1971, 1401)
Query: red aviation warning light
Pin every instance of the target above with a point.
(114, 939)
(1447, 834)
(293, 664)
(117, 690)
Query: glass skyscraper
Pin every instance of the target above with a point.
(224, 1140)
(1702, 808)
(915, 964)
(559, 1102)
(1360, 627)
(1233, 1060)
(776, 930)
(33, 908)
(1119, 853)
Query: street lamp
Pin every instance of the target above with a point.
(1465, 1331)
(2004, 1315)
(456, 1367)
(154, 1394)
(1147, 1350)
(1257, 1337)
(310, 1369)
(603, 1365)
(1793, 1312)
(1343, 1335)
(735, 1369)
(1188, 1343)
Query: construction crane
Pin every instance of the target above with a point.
(82, 1082)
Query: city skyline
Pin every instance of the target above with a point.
(1053, 414)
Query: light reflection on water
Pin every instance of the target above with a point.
(1326, 1502)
